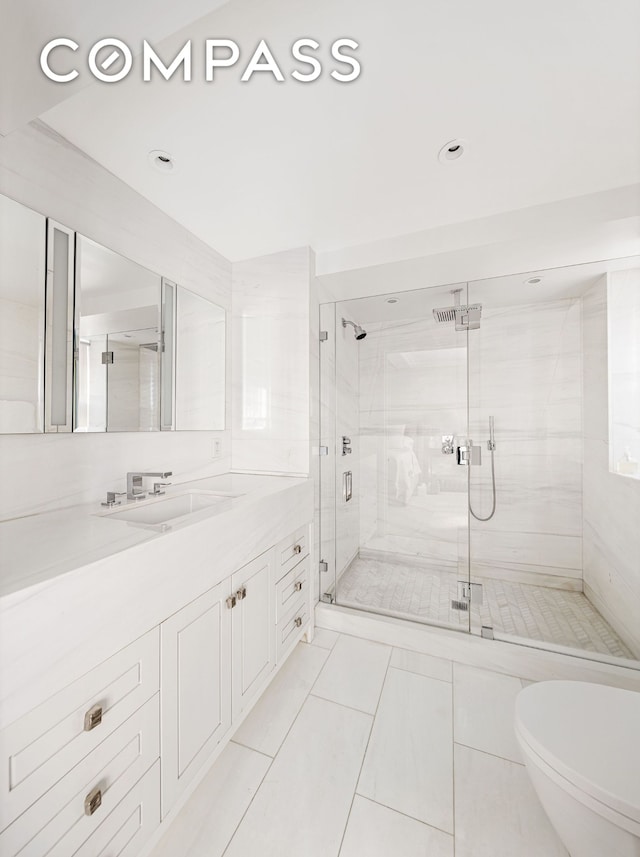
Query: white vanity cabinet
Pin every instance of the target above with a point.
(252, 624)
(70, 763)
(217, 654)
(196, 688)
(97, 767)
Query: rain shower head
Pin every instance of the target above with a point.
(465, 317)
(359, 332)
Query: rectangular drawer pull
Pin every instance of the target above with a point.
(298, 586)
(241, 593)
(298, 621)
(93, 801)
(93, 718)
(297, 549)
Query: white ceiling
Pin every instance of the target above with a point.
(28, 25)
(546, 93)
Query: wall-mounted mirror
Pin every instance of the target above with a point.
(118, 342)
(105, 345)
(22, 291)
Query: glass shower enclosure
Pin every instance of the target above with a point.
(470, 435)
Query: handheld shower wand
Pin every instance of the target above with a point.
(491, 445)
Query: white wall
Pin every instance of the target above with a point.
(611, 501)
(44, 172)
(623, 310)
(413, 386)
(525, 370)
(603, 225)
(271, 362)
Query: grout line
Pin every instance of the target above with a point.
(487, 753)
(364, 755)
(491, 672)
(326, 648)
(405, 815)
(253, 749)
(272, 760)
(422, 675)
(342, 704)
(249, 805)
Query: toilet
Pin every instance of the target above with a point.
(581, 747)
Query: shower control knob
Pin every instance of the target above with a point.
(447, 444)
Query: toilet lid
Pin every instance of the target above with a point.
(589, 734)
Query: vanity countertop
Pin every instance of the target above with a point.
(36, 548)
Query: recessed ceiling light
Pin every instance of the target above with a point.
(162, 161)
(452, 151)
(533, 281)
(392, 300)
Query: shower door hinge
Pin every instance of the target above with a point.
(469, 592)
(324, 335)
(323, 565)
(487, 632)
(107, 357)
(328, 598)
(323, 450)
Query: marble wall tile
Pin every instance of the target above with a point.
(623, 305)
(200, 363)
(525, 369)
(123, 387)
(270, 366)
(21, 349)
(611, 501)
(22, 273)
(45, 172)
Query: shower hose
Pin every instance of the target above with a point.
(493, 488)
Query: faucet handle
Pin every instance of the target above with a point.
(111, 498)
(157, 486)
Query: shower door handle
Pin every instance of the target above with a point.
(347, 485)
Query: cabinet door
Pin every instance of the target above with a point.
(195, 688)
(253, 629)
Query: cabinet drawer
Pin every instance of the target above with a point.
(40, 747)
(292, 589)
(291, 550)
(80, 803)
(290, 630)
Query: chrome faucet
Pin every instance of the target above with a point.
(135, 491)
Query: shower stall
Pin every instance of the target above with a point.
(480, 447)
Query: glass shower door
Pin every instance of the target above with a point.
(394, 516)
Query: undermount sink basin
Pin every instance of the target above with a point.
(154, 512)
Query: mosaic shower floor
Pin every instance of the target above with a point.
(534, 612)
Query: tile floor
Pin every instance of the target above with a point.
(533, 612)
(358, 749)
